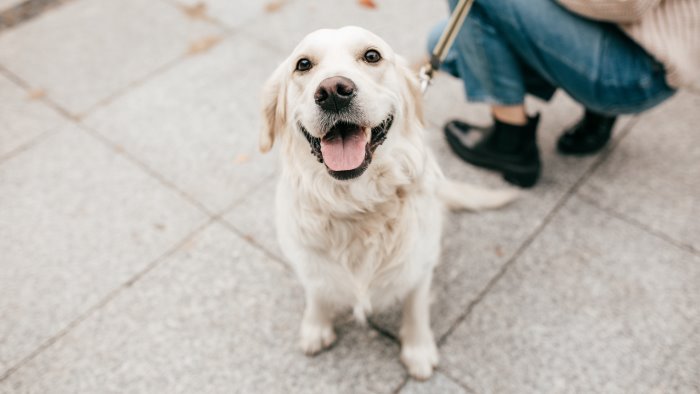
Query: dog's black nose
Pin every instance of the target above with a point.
(335, 94)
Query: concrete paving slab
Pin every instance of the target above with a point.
(216, 317)
(255, 218)
(681, 371)
(85, 51)
(197, 124)
(653, 177)
(404, 24)
(439, 383)
(22, 117)
(594, 305)
(76, 221)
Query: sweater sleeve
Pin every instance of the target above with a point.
(618, 11)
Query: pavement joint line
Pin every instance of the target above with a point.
(151, 172)
(383, 332)
(138, 82)
(115, 292)
(36, 140)
(540, 228)
(240, 200)
(456, 381)
(45, 99)
(639, 225)
(401, 385)
(287, 268)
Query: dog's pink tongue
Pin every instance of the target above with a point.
(344, 153)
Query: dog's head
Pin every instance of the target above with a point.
(340, 91)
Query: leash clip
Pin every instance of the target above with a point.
(444, 43)
(425, 77)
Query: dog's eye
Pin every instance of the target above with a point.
(372, 56)
(304, 64)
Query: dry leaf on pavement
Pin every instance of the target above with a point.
(242, 158)
(195, 11)
(499, 251)
(367, 3)
(274, 5)
(36, 94)
(203, 45)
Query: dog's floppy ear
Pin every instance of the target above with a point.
(273, 107)
(413, 94)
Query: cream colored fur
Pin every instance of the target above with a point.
(372, 241)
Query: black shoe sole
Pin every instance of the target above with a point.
(523, 176)
(568, 149)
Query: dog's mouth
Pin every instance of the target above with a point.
(346, 149)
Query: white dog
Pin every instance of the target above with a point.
(360, 199)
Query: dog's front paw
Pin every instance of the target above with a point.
(420, 360)
(315, 338)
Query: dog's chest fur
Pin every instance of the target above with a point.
(367, 247)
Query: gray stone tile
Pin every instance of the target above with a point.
(681, 371)
(197, 124)
(594, 305)
(653, 177)
(233, 13)
(255, 218)
(86, 50)
(407, 31)
(76, 221)
(22, 119)
(216, 317)
(439, 383)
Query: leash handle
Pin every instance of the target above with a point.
(444, 43)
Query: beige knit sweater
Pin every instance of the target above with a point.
(668, 29)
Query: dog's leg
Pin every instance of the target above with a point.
(418, 351)
(317, 325)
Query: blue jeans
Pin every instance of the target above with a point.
(508, 48)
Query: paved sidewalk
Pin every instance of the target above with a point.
(137, 249)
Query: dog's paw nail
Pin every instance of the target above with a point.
(420, 360)
(316, 338)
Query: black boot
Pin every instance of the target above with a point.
(509, 149)
(589, 135)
